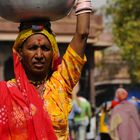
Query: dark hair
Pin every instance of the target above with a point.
(35, 25)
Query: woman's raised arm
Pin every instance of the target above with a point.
(83, 10)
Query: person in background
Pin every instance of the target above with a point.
(36, 103)
(82, 119)
(104, 122)
(91, 135)
(124, 121)
(75, 110)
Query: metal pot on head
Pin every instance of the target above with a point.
(22, 10)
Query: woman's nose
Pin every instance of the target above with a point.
(39, 53)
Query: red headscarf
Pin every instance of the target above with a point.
(22, 116)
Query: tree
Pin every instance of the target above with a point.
(125, 19)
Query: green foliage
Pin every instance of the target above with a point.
(125, 18)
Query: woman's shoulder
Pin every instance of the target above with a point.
(11, 82)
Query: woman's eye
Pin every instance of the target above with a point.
(34, 47)
(45, 48)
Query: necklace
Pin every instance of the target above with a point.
(40, 86)
(37, 84)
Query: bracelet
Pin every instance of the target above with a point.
(83, 6)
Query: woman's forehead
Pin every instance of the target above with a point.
(38, 36)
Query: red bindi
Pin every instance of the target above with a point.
(39, 40)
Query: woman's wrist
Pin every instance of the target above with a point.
(83, 6)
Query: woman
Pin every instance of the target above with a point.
(35, 105)
(124, 120)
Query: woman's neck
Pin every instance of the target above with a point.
(39, 85)
(37, 80)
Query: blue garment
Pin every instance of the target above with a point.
(75, 110)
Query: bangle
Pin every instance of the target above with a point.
(83, 6)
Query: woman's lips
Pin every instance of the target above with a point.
(38, 65)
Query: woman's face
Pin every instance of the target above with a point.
(36, 55)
